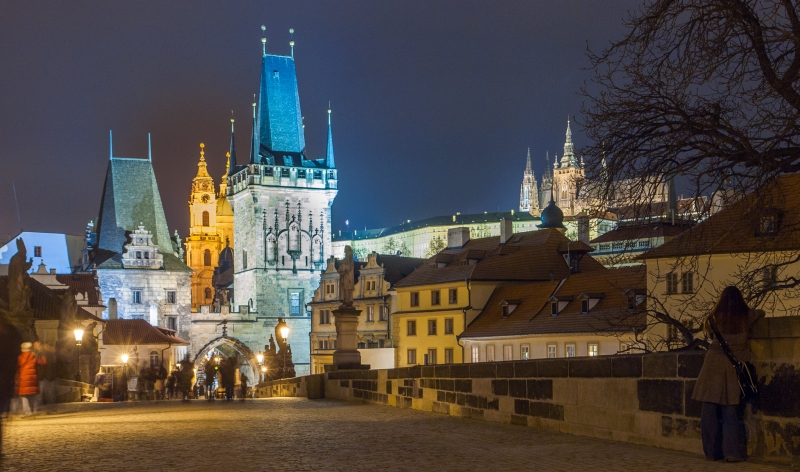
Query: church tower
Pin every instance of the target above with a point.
(528, 193)
(568, 175)
(281, 198)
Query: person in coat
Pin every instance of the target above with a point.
(27, 379)
(10, 341)
(722, 415)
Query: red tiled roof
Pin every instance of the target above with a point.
(533, 317)
(734, 229)
(539, 256)
(84, 283)
(46, 302)
(130, 332)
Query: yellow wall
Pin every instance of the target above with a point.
(538, 346)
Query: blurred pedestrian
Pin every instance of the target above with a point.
(722, 415)
(171, 386)
(27, 379)
(159, 388)
(243, 378)
(10, 342)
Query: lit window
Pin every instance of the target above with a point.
(594, 350)
(525, 352)
(154, 360)
(551, 351)
(569, 350)
(490, 353)
(411, 328)
(412, 356)
(475, 354)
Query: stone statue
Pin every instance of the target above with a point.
(66, 352)
(346, 281)
(19, 291)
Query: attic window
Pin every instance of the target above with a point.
(275, 74)
(589, 300)
(769, 224)
(585, 306)
(509, 306)
(554, 308)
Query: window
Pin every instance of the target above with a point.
(244, 259)
(171, 297)
(208, 293)
(37, 251)
(268, 171)
(431, 356)
(554, 308)
(284, 172)
(625, 348)
(524, 352)
(329, 288)
(770, 277)
(414, 298)
(361, 346)
(412, 356)
(594, 350)
(324, 344)
(206, 219)
(453, 297)
(448, 356)
(370, 313)
(448, 326)
(294, 303)
(138, 254)
(475, 354)
(137, 296)
(569, 350)
(551, 351)
(508, 354)
(672, 283)
(490, 353)
(147, 254)
(383, 310)
(172, 323)
(411, 328)
(301, 174)
(435, 297)
(136, 316)
(769, 224)
(154, 361)
(585, 306)
(431, 327)
(324, 317)
(207, 257)
(687, 282)
(631, 302)
(275, 74)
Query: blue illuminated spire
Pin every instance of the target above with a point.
(254, 139)
(329, 156)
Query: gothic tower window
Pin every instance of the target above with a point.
(207, 258)
(206, 219)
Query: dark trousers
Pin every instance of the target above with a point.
(722, 429)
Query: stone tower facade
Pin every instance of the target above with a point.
(210, 227)
(528, 192)
(281, 199)
(568, 175)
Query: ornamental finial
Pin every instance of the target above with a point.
(202, 152)
(291, 40)
(263, 40)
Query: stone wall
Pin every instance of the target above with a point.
(640, 399)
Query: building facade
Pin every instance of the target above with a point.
(210, 230)
(374, 295)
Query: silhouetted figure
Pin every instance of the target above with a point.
(10, 341)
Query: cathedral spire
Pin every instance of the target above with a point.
(329, 162)
(568, 158)
(232, 152)
(528, 164)
(254, 139)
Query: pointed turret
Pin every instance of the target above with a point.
(528, 164)
(568, 159)
(329, 162)
(529, 193)
(254, 139)
(202, 168)
(231, 152)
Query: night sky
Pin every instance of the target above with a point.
(434, 102)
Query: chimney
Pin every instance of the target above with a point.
(112, 308)
(506, 230)
(457, 237)
(583, 228)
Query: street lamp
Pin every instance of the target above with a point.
(260, 358)
(283, 328)
(78, 340)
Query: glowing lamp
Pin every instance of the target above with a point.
(260, 358)
(78, 336)
(178, 365)
(264, 369)
(124, 358)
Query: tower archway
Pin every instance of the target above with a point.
(229, 347)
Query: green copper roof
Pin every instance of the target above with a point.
(130, 198)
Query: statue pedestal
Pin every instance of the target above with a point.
(346, 355)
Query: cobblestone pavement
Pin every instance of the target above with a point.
(299, 434)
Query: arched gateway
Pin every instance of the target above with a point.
(229, 347)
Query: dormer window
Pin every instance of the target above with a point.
(508, 307)
(589, 300)
(559, 303)
(275, 74)
(554, 308)
(585, 306)
(769, 223)
(635, 298)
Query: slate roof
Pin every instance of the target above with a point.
(280, 123)
(735, 228)
(45, 302)
(686, 206)
(445, 220)
(539, 256)
(533, 316)
(132, 332)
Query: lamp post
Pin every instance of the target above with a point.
(260, 358)
(78, 340)
(283, 329)
(124, 359)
